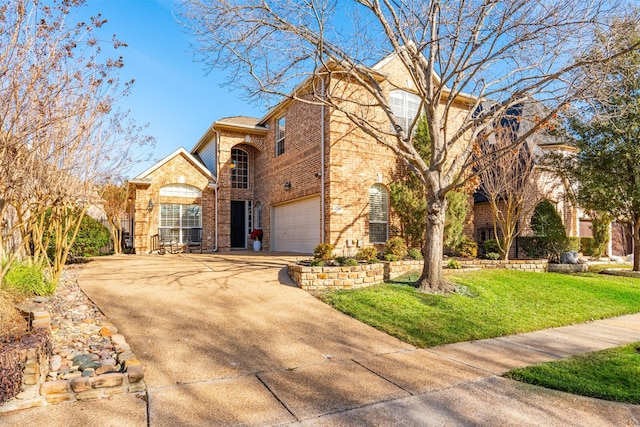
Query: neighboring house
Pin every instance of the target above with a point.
(548, 185)
(304, 174)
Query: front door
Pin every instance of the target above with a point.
(238, 225)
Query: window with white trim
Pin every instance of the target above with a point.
(280, 125)
(177, 221)
(258, 216)
(378, 214)
(405, 107)
(240, 171)
(180, 190)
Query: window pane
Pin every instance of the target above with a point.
(404, 106)
(378, 232)
(280, 133)
(169, 215)
(180, 190)
(378, 214)
(258, 220)
(191, 216)
(240, 173)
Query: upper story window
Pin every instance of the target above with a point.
(240, 171)
(280, 124)
(378, 214)
(405, 107)
(180, 190)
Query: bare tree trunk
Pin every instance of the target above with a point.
(432, 280)
(636, 244)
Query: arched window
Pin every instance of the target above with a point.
(240, 171)
(258, 216)
(405, 107)
(180, 190)
(378, 214)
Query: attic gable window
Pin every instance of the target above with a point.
(280, 125)
(180, 190)
(405, 107)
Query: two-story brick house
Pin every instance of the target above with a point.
(303, 173)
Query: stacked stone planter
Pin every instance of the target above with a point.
(333, 278)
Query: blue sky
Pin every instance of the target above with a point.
(171, 91)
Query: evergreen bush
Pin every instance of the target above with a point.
(323, 251)
(396, 246)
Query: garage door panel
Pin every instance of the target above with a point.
(297, 226)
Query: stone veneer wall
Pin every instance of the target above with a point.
(345, 277)
(37, 391)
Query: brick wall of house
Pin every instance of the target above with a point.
(177, 170)
(267, 173)
(254, 145)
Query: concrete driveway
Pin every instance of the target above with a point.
(227, 339)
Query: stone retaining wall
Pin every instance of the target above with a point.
(568, 268)
(37, 391)
(333, 278)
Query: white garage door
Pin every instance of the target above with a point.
(296, 226)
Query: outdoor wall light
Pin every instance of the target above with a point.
(150, 205)
(233, 164)
(287, 186)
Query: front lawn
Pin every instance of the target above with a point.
(612, 374)
(495, 303)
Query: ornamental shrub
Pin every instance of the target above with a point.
(28, 279)
(491, 246)
(92, 237)
(415, 253)
(396, 246)
(493, 256)
(586, 245)
(549, 229)
(391, 257)
(600, 231)
(323, 251)
(368, 254)
(453, 264)
(468, 248)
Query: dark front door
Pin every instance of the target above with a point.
(238, 224)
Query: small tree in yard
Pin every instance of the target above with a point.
(454, 52)
(549, 231)
(600, 225)
(114, 199)
(510, 179)
(60, 132)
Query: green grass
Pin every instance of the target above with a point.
(612, 374)
(495, 303)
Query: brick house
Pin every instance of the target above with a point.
(303, 174)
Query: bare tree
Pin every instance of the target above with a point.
(510, 177)
(454, 52)
(114, 198)
(60, 133)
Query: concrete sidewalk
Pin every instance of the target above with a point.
(226, 340)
